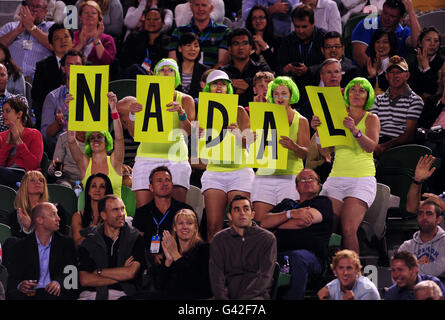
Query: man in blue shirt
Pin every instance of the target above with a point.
(42, 256)
(390, 18)
(405, 272)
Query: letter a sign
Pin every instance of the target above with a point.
(89, 109)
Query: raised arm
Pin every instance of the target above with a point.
(117, 157)
(423, 172)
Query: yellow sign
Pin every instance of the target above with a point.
(270, 122)
(328, 104)
(216, 112)
(154, 123)
(89, 109)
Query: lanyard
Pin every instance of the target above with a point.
(308, 51)
(205, 37)
(3, 101)
(162, 220)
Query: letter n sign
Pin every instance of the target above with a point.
(89, 110)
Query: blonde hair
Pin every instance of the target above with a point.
(190, 216)
(347, 254)
(21, 199)
(93, 4)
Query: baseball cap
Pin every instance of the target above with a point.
(396, 61)
(217, 75)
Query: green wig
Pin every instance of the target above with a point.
(229, 87)
(364, 83)
(172, 65)
(283, 81)
(108, 141)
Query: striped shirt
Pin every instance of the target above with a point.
(213, 38)
(393, 113)
(26, 59)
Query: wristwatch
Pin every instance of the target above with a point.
(99, 271)
(358, 134)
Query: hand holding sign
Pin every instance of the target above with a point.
(288, 143)
(112, 101)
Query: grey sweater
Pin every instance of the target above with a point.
(241, 267)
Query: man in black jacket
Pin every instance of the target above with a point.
(38, 261)
(49, 75)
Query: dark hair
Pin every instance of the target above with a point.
(101, 206)
(54, 28)
(239, 197)
(161, 12)
(378, 34)
(333, 35)
(407, 257)
(239, 32)
(72, 53)
(437, 209)
(158, 169)
(185, 39)
(396, 4)
(301, 11)
(269, 30)
(428, 30)
(12, 67)
(19, 103)
(87, 216)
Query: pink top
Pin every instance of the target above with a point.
(28, 155)
(109, 52)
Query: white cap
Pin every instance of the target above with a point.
(166, 62)
(217, 75)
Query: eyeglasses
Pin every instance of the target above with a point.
(333, 47)
(259, 18)
(99, 138)
(303, 180)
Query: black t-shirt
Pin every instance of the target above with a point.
(316, 237)
(86, 263)
(144, 222)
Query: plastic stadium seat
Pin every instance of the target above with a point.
(129, 199)
(280, 280)
(7, 196)
(123, 88)
(348, 28)
(64, 196)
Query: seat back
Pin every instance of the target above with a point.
(280, 280)
(7, 196)
(396, 168)
(129, 199)
(348, 28)
(376, 214)
(195, 199)
(81, 201)
(65, 197)
(44, 164)
(5, 233)
(123, 88)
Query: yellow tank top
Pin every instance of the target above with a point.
(294, 163)
(116, 180)
(161, 150)
(353, 161)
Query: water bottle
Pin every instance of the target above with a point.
(77, 188)
(18, 184)
(285, 268)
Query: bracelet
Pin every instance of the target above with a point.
(182, 117)
(417, 182)
(34, 27)
(132, 116)
(288, 214)
(115, 115)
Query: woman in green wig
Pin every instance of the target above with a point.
(351, 185)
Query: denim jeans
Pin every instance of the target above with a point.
(303, 265)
